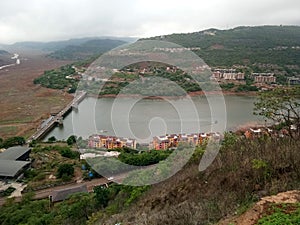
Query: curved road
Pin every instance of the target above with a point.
(44, 193)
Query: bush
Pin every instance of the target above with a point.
(281, 214)
(68, 153)
(39, 177)
(65, 170)
(52, 139)
(7, 192)
(13, 141)
(71, 140)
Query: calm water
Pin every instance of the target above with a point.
(145, 118)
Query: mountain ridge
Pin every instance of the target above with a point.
(244, 45)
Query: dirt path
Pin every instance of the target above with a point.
(252, 216)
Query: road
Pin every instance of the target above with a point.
(44, 193)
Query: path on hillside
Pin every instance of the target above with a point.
(251, 216)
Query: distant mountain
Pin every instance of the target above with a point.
(243, 45)
(86, 49)
(5, 58)
(57, 45)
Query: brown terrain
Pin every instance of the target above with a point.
(251, 216)
(23, 104)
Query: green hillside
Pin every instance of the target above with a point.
(243, 45)
(86, 49)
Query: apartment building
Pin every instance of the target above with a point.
(110, 142)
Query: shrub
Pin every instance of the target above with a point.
(65, 169)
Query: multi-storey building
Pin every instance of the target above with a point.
(110, 142)
(264, 77)
(227, 74)
(172, 141)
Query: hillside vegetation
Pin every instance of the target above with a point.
(243, 172)
(243, 45)
(86, 49)
(266, 49)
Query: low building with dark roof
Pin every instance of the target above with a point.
(60, 195)
(17, 153)
(14, 161)
(12, 169)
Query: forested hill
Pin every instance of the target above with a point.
(86, 49)
(243, 45)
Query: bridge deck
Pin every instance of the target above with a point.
(42, 131)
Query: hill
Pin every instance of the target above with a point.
(278, 45)
(86, 49)
(243, 172)
(73, 49)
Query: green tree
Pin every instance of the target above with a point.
(52, 139)
(68, 153)
(71, 140)
(65, 170)
(102, 196)
(13, 141)
(281, 106)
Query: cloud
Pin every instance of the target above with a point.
(55, 19)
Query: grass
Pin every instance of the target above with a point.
(278, 214)
(46, 162)
(8, 129)
(19, 120)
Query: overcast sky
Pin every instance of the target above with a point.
(46, 20)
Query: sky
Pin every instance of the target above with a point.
(49, 20)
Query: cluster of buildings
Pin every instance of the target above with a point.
(172, 50)
(14, 161)
(264, 78)
(110, 142)
(260, 131)
(227, 74)
(158, 143)
(172, 141)
(233, 75)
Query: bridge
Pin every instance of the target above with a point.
(58, 119)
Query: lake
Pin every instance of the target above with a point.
(144, 118)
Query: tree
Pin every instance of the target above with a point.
(13, 141)
(68, 153)
(71, 140)
(52, 139)
(65, 170)
(281, 106)
(102, 196)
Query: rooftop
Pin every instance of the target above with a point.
(10, 168)
(14, 153)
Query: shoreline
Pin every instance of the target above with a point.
(191, 94)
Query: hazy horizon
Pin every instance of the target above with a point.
(55, 20)
(132, 37)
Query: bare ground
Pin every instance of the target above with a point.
(23, 104)
(252, 216)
